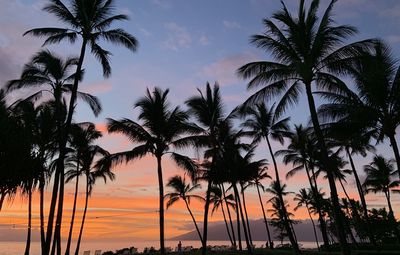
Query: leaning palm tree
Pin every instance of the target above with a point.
(261, 124)
(307, 52)
(379, 173)
(47, 73)
(90, 21)
(281, 217)
(374, 104)
(304, 198)
(208, 112)
(161, 129)
(218, 199)
(300, 152)
(92, 170)
(182, 192)
(82, 138)
(348, 139)
(256, 181)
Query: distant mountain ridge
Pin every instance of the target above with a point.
(217, 232)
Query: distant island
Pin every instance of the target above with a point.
(217, 232)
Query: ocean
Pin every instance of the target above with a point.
(15, 248)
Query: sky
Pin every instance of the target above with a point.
(183, 45)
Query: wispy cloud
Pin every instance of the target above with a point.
(98, 87)
(204, 40)
(224, 70)
(178, 37)
(231, 24)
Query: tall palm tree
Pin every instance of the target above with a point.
(307, 51)
(208, 111)
(300, 152)
(47, 72)
(90, 21)
(82, 138)
(351, 141)
(182, 191)
(92, 171)
(379, 173)
(374, 105)
(256, 181)
(161, 129)
(218, 199)
(281, 217)
(304, 198)
(262, 124)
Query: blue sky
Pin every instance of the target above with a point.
(183, 44)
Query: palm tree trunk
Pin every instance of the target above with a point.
(238, 224)
(246, 236)
(362, 196)
(391, 215)
(229, 216)
(63, 143)
(78, 243)
(344, 190)
(247, 217)
(205, 222)
(226, 222)
(28, 238)
(286, 222)
(194, 220)
(71, 227)
(313, 224)
(339, 223)
(50, 221)
(42, 234)
(57, 232)
(321, 219)
(161, 203)
(53, 203)
(265, 217)
(396, 152)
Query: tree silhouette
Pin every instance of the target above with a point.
(305, 53)
(161, 129)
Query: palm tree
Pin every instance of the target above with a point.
(262, 124)
(304, 198)
(89, 20)
(306, 53)
(300, 152)
(279, 217)
(162, 128)
(82, 137)
(256, 181)
(373, 106)
(208, 111)
(46, 72)
(182, 191)
(92, 169)
(349, 139)
(379, 173)
(218, 199)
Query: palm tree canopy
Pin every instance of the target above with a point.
(305, 49)
(161, 129)
(261, 123)
(379, 174)
(181, 190)
(300, 150)
(47, 69)
(217, 198)
(90, 20)
(374, 105)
